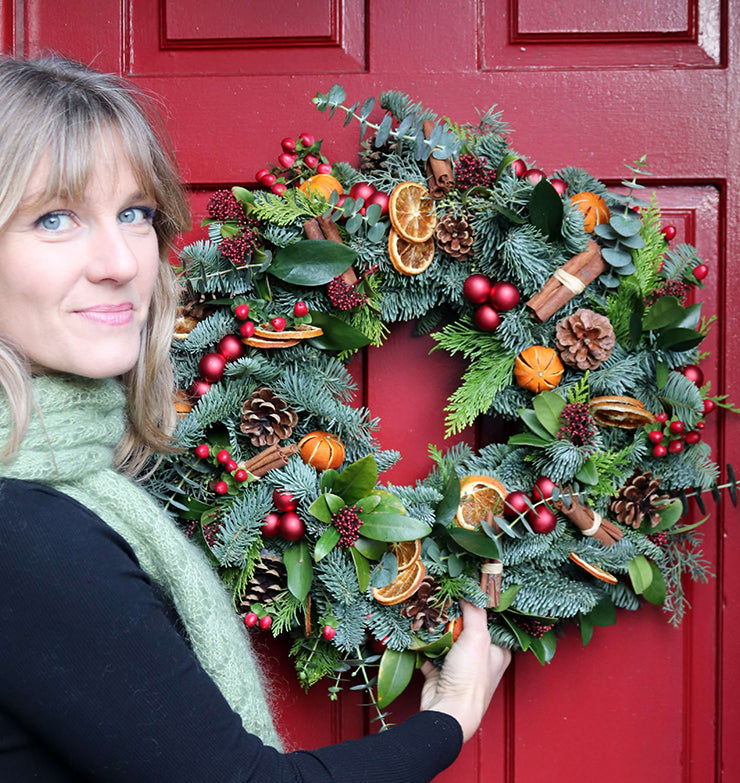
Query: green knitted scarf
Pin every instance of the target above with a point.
(69, 446)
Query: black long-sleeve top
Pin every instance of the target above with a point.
(98, 684)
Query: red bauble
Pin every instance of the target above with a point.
(560, 185)
(287, 160)
(265, 622)
(323, 168)
(660, 450)
(250, 619)
(198, 389)
(268, 180)
(655, 436)
(284, 501)
(202, 451)
(477, 288)
(271, 524)
(694, 373)
(246, 329)
(534, 175)
(220, 487)
(362, 190)
(486, 318)
(288, 144)
(543, 488)
(519, 167)
(230, 347)
(306, 139)
(292, 526)
(278, 188)
(328, 632)
(381, 199)
(541, 519)
(669, 232)
(300, 309)
(515, 505)
(701, 271)
(311, 161)
(211, 367)
(504, 296)
(242, 312)
(278, 323)
(261, 174)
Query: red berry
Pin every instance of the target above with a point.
(288, 144)
(675, 446)
(241, 475)
(241, 312)
(231, 466)
(261, 174)
(250, 619)
(692, 437)
(223, 456)
(378, 646)
(265, 622)
(323, 168)
(700, 425)
(311, 161)
(300, 309)
(246, 329)
(560, 185)
(292, 526)
(709, 406)
(662, 417)
(328, 632)
(278, 188)
(477, 288)
(221, 488)
(655, 436)
(534, 175)
(701, 271)
(284, 501)
(278, 323)
(660, 450)
(676, 427)
(515, 504)
(230, 347)
(519, 167)
(271, 524)
(202, 451)
(486, 318)
(286, 160)
(543, 488)
(211, 367)
(669, 232)
(268, 180)
(541, 519)
(306, 139)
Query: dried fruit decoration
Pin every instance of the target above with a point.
(538, 368)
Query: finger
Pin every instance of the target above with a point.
(473, 616)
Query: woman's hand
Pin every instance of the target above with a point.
(463, 687)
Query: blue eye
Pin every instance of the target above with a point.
(54, 221)
(137, 215)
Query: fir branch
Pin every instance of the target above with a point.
(294, 206)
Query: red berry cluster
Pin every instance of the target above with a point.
(677, 288)
(348, 524)
(533, 626)
(223, 460)
(284, 521)
(671, 437)
(344, 296)
(263, 620)
(519, 168)
(300, 158)
(490, 299)
(471, 171)
(578, 425)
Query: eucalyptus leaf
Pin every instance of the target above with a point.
(625, 225)
(641, 574)
(616, 257)
(357, 480)
(377, 232)
(476, 542)
(394, 674)
(326, 543)
(384, 131)
(605, 231)
(366, 108)
(353, 224)
(392, 527)
(548, 406)
(312, 262)
(372, 213)
(387, 570)
(635, 242)
(297, 559)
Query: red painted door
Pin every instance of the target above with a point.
(593, 86)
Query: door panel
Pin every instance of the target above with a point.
(594, 87)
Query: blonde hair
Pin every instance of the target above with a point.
(60, 108)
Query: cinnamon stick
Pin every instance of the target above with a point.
(268, 459)
(325, 228)
(440, 177)
(589, 522)
(579, 271)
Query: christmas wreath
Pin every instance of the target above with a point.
(573, 311)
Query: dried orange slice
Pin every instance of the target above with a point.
(409, 258)
(411, 210)
(594, 570)
(406, 552)
(184, 324)
(478, 496)
(538, 368)
(455, 626)
(261, 342)
(402, 587)
(301, 332)
(616, 411)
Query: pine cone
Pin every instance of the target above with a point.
(638, 499)
(266, 418)
(585, 339)
(270, 578)
(372, 157)
(454, 236)
(421, 608)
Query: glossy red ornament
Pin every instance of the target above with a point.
(268, 180)
(486, 318)
(265, 622)
(655, 436)
(311, 161)
(701, 271)
(694, 373)
(362, 190)
(271, 524)
(278, 323)
(291, 526)
(323, 168)
(221, 488)
(660, 450)
(230, 347)
(669, 232)
(534, 175)
(541, 519)
(328, 632)
(247, 329)
(543, 488)
(519, 167)
(306, 139)
(284, 501)
(211, 367)
(287, 160)
(250, 619)
(515, 505)
(242, 312)
(300, 309)
(504, 296)
(288, 144)
(198, 389)
(477, 288)
(560, 185)
(381, 199)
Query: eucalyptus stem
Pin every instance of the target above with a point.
(369, 688)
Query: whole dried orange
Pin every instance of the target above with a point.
(406, 552)
(592, 569)
(409, 258)
(402, 587)
(538, 368)
(594, 209)
(478, 496)
(322, 450)
(323, 184)
(411, 211)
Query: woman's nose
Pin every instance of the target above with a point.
(113, 255)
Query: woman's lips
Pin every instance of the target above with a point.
(109, 315)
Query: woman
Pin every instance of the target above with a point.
(121, 659)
